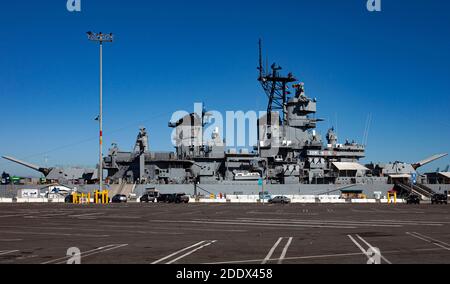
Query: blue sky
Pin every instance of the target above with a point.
(167, 55)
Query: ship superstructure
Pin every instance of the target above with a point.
(290, 156)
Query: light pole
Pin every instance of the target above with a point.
(100, 38)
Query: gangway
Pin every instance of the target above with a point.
(419, 189)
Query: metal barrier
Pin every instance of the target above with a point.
(100, 197)
(392, 194)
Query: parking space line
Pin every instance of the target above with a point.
(8, 252)
(283, 254)
(291, 258)
(369, 223)
(106, 248)
(194, 248)
(429, 240)
(365, 251)
(323, 256)
(262, 224)
(53, 234)
(272, 250)
(86, 214)
(373, 248)
(358, 245)
(191, 252)
(269, 255)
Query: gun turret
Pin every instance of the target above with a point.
(45, 171)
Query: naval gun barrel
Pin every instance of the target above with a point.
(45, 171)
(428, 160)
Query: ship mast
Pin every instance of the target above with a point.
(276, 88)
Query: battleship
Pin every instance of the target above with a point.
(290, 157)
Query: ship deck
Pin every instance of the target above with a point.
(224, 233)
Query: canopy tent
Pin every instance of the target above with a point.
(348, 166)
(445, 174)
(400, 176)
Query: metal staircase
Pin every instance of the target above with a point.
(418, 189)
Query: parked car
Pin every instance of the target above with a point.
(119, 198)
(163, 197)
(413, 199)
(280, 199)
(173, 198)
(439, 198)
(265, 195)
(147, 197)
(180, 198)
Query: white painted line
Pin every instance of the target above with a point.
(430, 238)
(54, 234)
(177, 252)
(323, 256)
(97, 252)
(358, 245)
(414, 234)
(290, 258)
(67, 257)
(8, 252)
(373, 249)
(191, 252)
(269, 255)
(283, 254)
(15, 215)
(86, 214)
(370, 223)
(255, 224)
(412, 221)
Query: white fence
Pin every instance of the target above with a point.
(293, 198)
(228, 199)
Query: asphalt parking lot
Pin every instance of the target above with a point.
(224, 233)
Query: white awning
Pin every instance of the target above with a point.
(400, 176)
(348, 166)
(445, 174)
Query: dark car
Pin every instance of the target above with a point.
(413, 199)
(147, 197)
(173, 198)
(279, 199)
(439, 198)
(119, 198)
(163, 197)
(181, 198)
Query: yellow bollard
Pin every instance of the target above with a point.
(89, 198)
(392, 194)
(105, 199)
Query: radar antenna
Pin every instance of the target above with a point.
(276, 88)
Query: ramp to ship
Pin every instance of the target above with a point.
(419, 189)
(123, 188)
